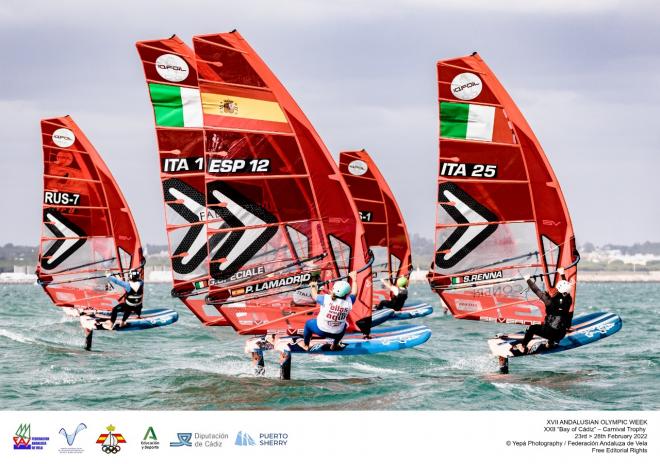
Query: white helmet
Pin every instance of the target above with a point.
(341, 288)
(564, 286)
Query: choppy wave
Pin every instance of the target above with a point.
(188, 366)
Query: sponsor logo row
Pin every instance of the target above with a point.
(78, 439)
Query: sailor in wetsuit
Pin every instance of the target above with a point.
(132, 300)
(558, 314)
(331, 320)
(399, 294)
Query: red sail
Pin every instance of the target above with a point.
(500, 211)
(279, 212)
(385, 229)
(87, 227)
(171, 74)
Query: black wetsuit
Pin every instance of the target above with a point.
(558, 316)
(396, 302)
(132, 302)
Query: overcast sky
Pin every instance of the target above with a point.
(586, 74)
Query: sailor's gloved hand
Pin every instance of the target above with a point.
(561, 270)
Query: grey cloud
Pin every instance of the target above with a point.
(365, 76)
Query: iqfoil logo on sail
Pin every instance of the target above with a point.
(358, 167)
(172, 68)
(466, 86)
(63, 137)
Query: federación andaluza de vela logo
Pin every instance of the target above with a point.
(22, 437)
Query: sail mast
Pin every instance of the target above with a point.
(500, 211)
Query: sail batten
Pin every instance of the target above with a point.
(500, 213)
(87, 227)
(278, 199)
(385, 228)
(248, 210)
(171, 73)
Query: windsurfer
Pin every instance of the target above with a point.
(132, 300)
(399, 294)
(331, 320)
(558, 313)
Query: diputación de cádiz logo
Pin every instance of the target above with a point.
(110, 441)
(184, 440)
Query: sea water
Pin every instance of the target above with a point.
(189, 366)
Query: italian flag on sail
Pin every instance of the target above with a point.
(467, 121)
(200, 284)
(176, 106)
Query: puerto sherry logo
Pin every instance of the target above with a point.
(110, 442)
(70, 438)
(466, 86)
(273, 439)
(267, 439)
(172, 68)
(244, 439)
(150, 440)
(184, 440)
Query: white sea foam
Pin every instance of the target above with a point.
(15, 336)
(483, 363)
(374, 369)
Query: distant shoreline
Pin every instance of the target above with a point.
(163, 277)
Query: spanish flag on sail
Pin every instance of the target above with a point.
(229, 106)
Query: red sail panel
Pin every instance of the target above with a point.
(279, 212)
(501, 214)
(385, 230)
(171, 73)
(87, 227)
